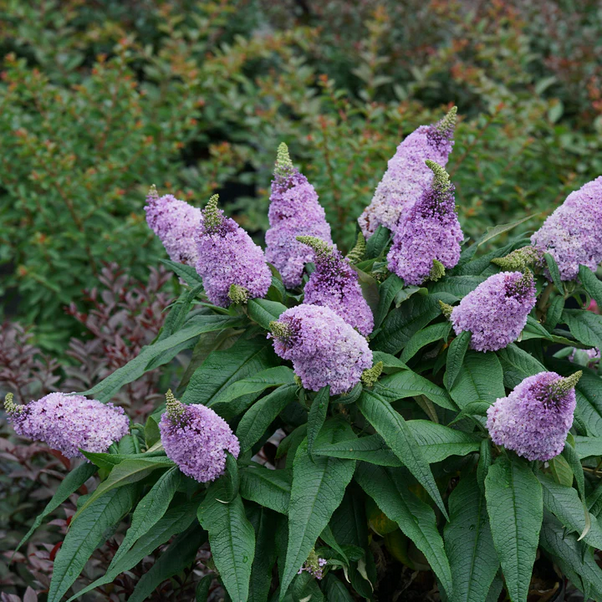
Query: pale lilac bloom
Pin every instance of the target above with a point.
(196, 439)
(335, 284)
(228, 257)
(572, 235)
(535, 418)
(496, 311)
(314, 565)
(324, 349)
(294, 210)
(427, 241)
(68, 423)
(174, 222)
(407, 175)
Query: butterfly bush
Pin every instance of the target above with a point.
(408, 176)
(321, 411)
(324, 349)
(196, 439)
(68, 423)
(229, 262)
(535, 418)
(335, 284)
(294, 210)
(572, 235)
(496, 312)
(175, 223)
(427, 241)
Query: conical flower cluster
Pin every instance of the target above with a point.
(427, 241)
(324, 349)
(335, 284)
(572, 235)
(69, 423)
(294, 210)
(408, 176)
(175, 223)
(535, 418)
(232, 266)
(196, 439)
(496, 311)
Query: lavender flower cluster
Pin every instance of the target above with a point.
(535, 418)
(174, 222)
(573, 233)
(496, 311)
(196, 439)
(427, 241)
(227, 256)
(335, 284)
(314, 565)
(294, 211)
(324, 349)
(69, 423)
(408, 176)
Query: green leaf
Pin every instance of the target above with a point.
(585, 326)
(572, 556)
(494, 231)
(260, 415)
(388, 487)
(369, 288)
(263, 522)
(515, 508)
(480, 379)
(404, 322)
(179, 311)
(239, 395)
(376, 244)
(126, 473)
(317, 416)
(561, 471)
(468, 543)
(175, 520)
(263, 311)
(109, 461)
(85, 535)
(180, 554)
(70, 484)
(224, 367)
(422, 338)
(185, 272)
(336, 590)
(458, 286)
(388, 291)
(152, 434)
(269, 488)
(371, 449)
(134, 369)
(409, 384)
(203, 588)
(534, 330)
(394, 430)
(587, 447)
(554, 312)
(455, 357)
(317, 490)
(570, 455)
(389, 361)
(591, 284)
(517, 365)
(232, 540)
(438, 442)
(564, 502)
(554, 272)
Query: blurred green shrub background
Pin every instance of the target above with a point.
(98, 100)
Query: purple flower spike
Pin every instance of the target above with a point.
(407, 176)
(496, 311)
(572, 235)
(335, 284)
(427, 241)
(196, 439)
(69, 423)
(314, 565)
(324, 349)
(294, 210)
(174, 222)
(232, 266)
(535, 418)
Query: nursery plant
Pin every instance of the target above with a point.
(421, 415)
